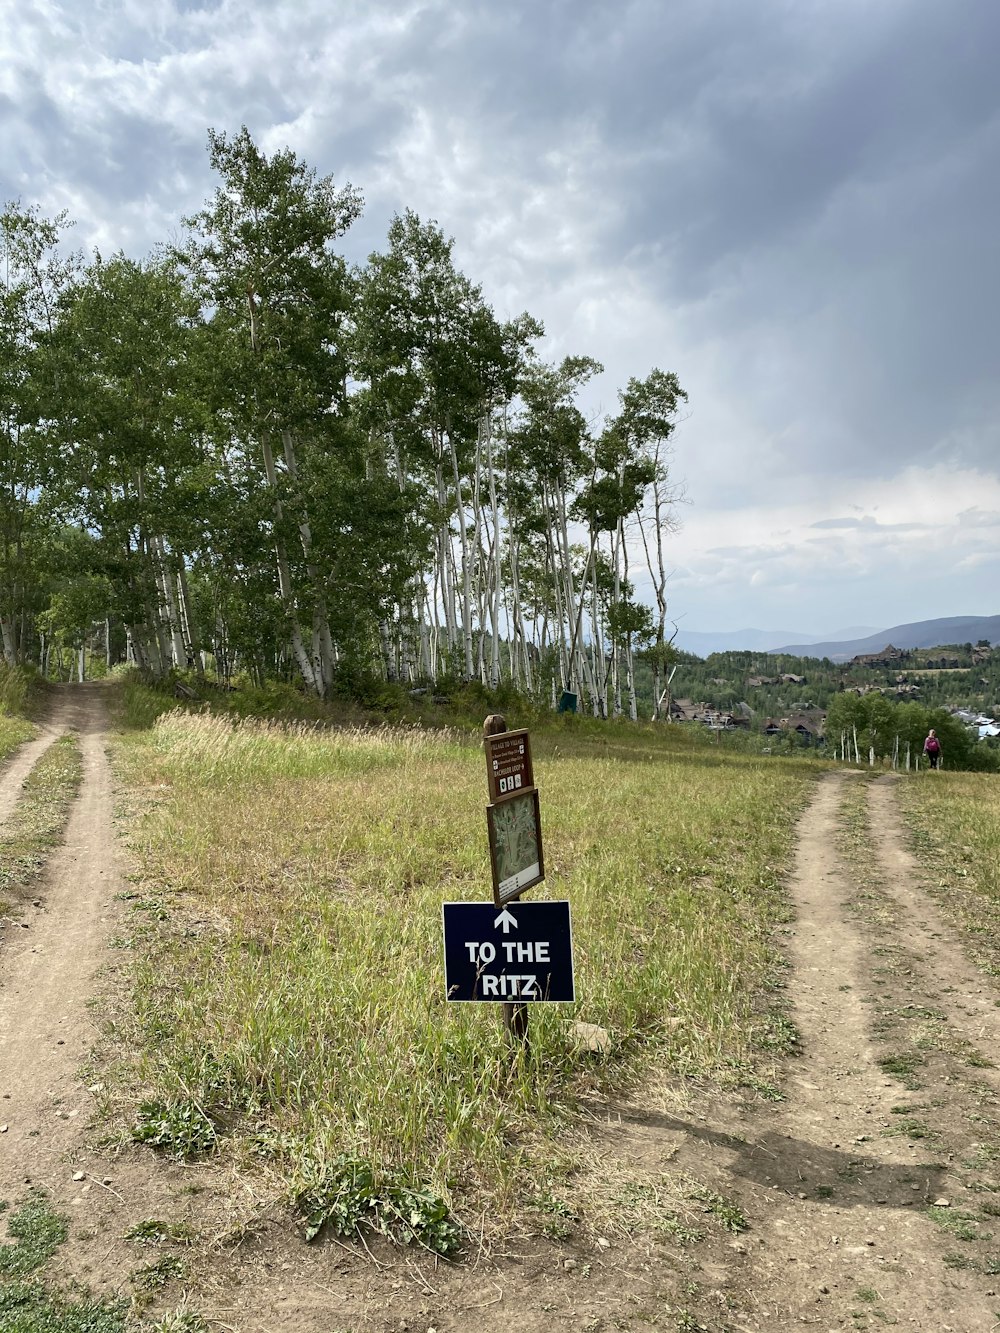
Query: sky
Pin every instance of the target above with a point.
(792, 204)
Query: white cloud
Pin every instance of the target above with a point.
(914, 536)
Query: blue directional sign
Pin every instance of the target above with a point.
(523, 951)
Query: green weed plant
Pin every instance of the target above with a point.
(13, 732)
(27, 1305)
(14, 698)
(20, 691)
(36, 1232)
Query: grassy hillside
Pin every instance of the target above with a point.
(289, 964)
(15, 697)
(955, 675)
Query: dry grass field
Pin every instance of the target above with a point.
(288, 885)
(954, 821)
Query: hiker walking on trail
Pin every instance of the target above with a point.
(932, 748)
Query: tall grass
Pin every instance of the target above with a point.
(297, 983)
(13, 731)
(954, 820)
(21, 689)
(15, 695)
(142, 702)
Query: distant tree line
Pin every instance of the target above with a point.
(242, 454)
(890, 729)
(862, 702)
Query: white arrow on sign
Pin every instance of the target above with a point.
(505, 921)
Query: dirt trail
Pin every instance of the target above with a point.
(837, 1197)
(825, 1140)
(48, 977)
(836, 1200)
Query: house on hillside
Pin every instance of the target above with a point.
(886, 657)
(810, 728)
(718, 719)
(727, 721)
(789, 679)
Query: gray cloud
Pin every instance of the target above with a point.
(868, 524)
(793, 206)
(979, 518)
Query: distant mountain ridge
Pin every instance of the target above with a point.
(705, 642)
(919, 634)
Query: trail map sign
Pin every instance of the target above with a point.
(513, 817)
(515, 846)
(516, 954)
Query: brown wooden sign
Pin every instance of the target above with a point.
(508, 765)
(515, 827)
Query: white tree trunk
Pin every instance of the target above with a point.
(7, 635)
(187, 620)
(168, 598)
(466, 570)
(497, 565)
(630, 667)
(561, 611)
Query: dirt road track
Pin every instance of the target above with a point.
(972, 1010)
(48, 978)
(47, 975)
(839, 1207)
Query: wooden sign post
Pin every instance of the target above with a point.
(515, 830)
(505, 952)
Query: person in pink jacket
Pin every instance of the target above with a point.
(932, 748)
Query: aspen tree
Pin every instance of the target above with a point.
(261, 256)
(33, 280)
(648, 419)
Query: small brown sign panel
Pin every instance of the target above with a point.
(508, 764)
(515, 845)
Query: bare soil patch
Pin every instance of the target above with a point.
(813, 1211)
